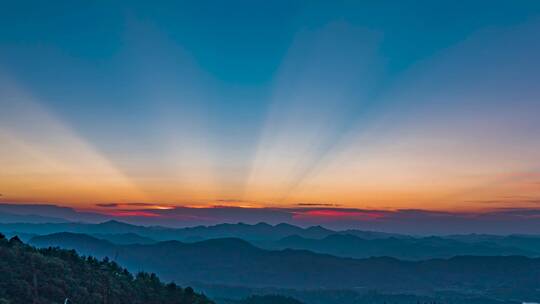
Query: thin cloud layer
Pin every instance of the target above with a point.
(411, 221)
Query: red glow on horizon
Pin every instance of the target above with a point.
(332, 214)
(128, 213)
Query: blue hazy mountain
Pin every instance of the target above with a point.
(349, 243)
(124, 238)
(235, 262)
(257, 232)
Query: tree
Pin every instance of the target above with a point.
(51, 275)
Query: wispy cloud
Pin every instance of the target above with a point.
(129, 206)
(415, 221)
(110, 205)
(318, 205)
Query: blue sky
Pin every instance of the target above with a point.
(262, 102)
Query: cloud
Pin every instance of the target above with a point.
(110, 205)
(521, 200)
(54, 211)
(139, 204)
(317, 205)
(409, 221)
(118, 205)
(325, 215)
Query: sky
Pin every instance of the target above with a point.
(339, 105)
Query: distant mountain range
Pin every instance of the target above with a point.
(348, 243)
(45, 213)
(6, 217)
(256, 232)
(235, 262)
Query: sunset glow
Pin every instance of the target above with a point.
(324, 108)
(283, 152)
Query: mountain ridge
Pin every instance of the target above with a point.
(233, 261)
(348, 243)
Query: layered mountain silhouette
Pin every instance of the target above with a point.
(260, 231)
(124, 238)
(404, 248)
(348, 243)
(232, 261)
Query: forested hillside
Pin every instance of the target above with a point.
(39, 276)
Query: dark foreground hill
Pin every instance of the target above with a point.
(235, 262)
(30, 275)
